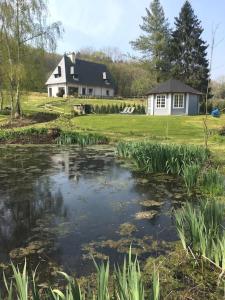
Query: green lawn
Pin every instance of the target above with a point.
(35, 102)
(170, 129)
(185, 129)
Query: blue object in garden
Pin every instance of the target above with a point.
(216, 113)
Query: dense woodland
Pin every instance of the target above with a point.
(163, 51)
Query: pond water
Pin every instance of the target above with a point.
(67, 204)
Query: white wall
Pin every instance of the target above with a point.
(55, 89)
(62, 79)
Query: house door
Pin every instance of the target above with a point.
(83, 91)
(50, 92)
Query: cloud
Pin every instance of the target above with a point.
(91, 18)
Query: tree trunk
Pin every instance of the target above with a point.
(18, 106)
(1, 100)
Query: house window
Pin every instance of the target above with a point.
(90, 91)
(72, 71)
(59, 73)
(178, 101)
(161, 101)
(107, 93)
(75, 76)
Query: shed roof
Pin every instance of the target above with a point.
(173, 86)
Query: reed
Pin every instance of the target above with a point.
(190, 176)
(127, 284)
(213, 182)
(201, 230)
(82, 139)
(154, 157)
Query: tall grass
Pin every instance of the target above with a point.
(154, 157)
(82, 139)
(201, 230)
(213, 182)
(190, 176)
(127, 284)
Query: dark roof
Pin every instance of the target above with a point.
(89, 73)
(173, 86)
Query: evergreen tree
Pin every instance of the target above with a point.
(189, 51)
(155, 43)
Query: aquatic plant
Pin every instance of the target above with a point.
(213, 182)
(81, 138)
(154, 157)
(190, 175)
(127, 284)
(201, 231)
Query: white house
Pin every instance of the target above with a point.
(173, 97)
(73, 77)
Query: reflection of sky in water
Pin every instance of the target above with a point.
(71, 197)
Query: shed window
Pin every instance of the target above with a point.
(178, 101)
(161, 101)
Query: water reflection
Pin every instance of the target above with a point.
(68, 204)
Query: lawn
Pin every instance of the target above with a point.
(170, 129)
(36, 102)
(184, 129)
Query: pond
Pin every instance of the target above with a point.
(67, 205)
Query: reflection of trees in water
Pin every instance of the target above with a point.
(24, 203)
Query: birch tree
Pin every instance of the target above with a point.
(24, 22)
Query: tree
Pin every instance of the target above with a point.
(24, 22)
(155, 43)
(189, 51)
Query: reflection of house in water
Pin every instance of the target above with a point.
(68, 164)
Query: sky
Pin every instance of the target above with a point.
(114, 23)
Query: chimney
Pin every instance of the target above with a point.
(72, 57)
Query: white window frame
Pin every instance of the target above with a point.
(160, 98)
(179, 95)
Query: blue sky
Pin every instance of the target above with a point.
(113, 23)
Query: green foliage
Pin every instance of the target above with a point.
(155, 43)
(189, 51)
(81, 138)
(127, 285)
(212, 182)
(155, 157)
(7, 135)
(201, 230)
(190, 176)
(116, 109)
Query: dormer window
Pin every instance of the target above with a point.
(59, 72)
(72, 70)
(104, 75)
(75, 76)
